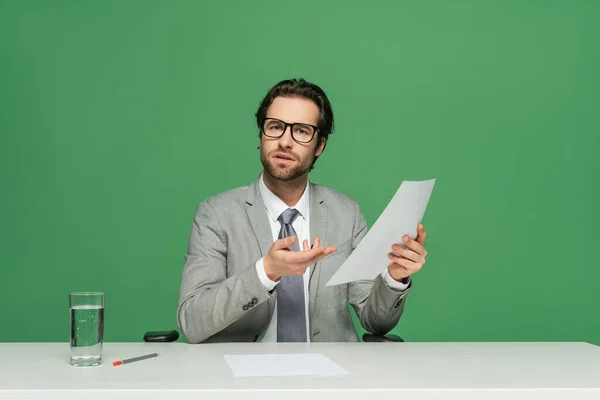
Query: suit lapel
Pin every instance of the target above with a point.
(255, 208)
(318, 227)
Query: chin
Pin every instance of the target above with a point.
(284, 174)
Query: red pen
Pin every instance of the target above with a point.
(134, 359)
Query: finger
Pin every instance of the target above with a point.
(421, 235)
(413, 245)
(301, 257)
(305, 245)
(318, 257)
(329, 250)
(409, 265)
(395, 266)
(284, 243)
(407, 253)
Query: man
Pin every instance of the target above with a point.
(250, 274)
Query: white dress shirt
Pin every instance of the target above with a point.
(274, 207)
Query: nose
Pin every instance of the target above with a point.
(286, 140)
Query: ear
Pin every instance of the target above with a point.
(321, 147)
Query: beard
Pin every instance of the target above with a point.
(283, 172)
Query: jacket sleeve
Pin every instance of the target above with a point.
(378, 307)
(209, 301)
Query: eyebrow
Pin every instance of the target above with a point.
(303, 123)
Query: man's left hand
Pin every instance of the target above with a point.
(411, 259)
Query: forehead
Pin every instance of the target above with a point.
(294, 109)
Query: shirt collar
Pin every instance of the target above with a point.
(275, 206)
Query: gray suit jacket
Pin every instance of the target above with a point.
(222, 298)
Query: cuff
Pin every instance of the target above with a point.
(390, 282)
(264, 279)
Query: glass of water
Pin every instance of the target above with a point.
(87, 328)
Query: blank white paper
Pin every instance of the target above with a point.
(401, 217)
(283, 365)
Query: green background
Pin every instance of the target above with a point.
(118, 117)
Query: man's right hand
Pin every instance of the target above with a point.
(281, 261)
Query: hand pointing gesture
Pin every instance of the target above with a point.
(281, 261)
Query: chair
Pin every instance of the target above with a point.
(370, 337)
(171, 336)
(161, 336)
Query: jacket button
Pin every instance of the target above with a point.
(245, 307)
(255, 301)
(250, 304)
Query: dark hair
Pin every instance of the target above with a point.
(303, 89)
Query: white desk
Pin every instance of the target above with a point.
(399, 371)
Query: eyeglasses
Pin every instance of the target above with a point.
(301, 132)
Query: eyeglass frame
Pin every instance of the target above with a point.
(285, 126)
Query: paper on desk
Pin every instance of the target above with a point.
(282, 365)
(401, 217)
